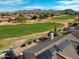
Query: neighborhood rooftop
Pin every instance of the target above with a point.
(37, 48)
(76, 34)
(43, 46)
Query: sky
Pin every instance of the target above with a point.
(14, 5)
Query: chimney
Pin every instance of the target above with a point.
(51, 35)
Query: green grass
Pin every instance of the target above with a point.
(8, 31)
(4, 45)
(64, 33)
(64, 17)
(2, 58)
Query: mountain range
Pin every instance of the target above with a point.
(42, 11)
(39, 10)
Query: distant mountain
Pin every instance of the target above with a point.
(68, 10)
(37, 10)
(43, 11)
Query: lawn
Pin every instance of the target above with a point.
(4, 45)
(2, 58)
(8, 31)
(64, 17)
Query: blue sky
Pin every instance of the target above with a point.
(13, 5)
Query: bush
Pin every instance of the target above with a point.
(23, 45)
(29, 42)
(34, 40)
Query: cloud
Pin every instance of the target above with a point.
(67, 4)
(11, 5)
(72, 2)
(8, 9)
(62, 7)
(11, 2)
(33, 7)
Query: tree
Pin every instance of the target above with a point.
(34, 17)
(5, 14)
(42, 16)
(50, 14)
(21, 18)
(55, 31)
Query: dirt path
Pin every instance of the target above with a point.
(15, 42)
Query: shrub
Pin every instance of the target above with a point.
(34, 40)
(23, 45)
(29, 42)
